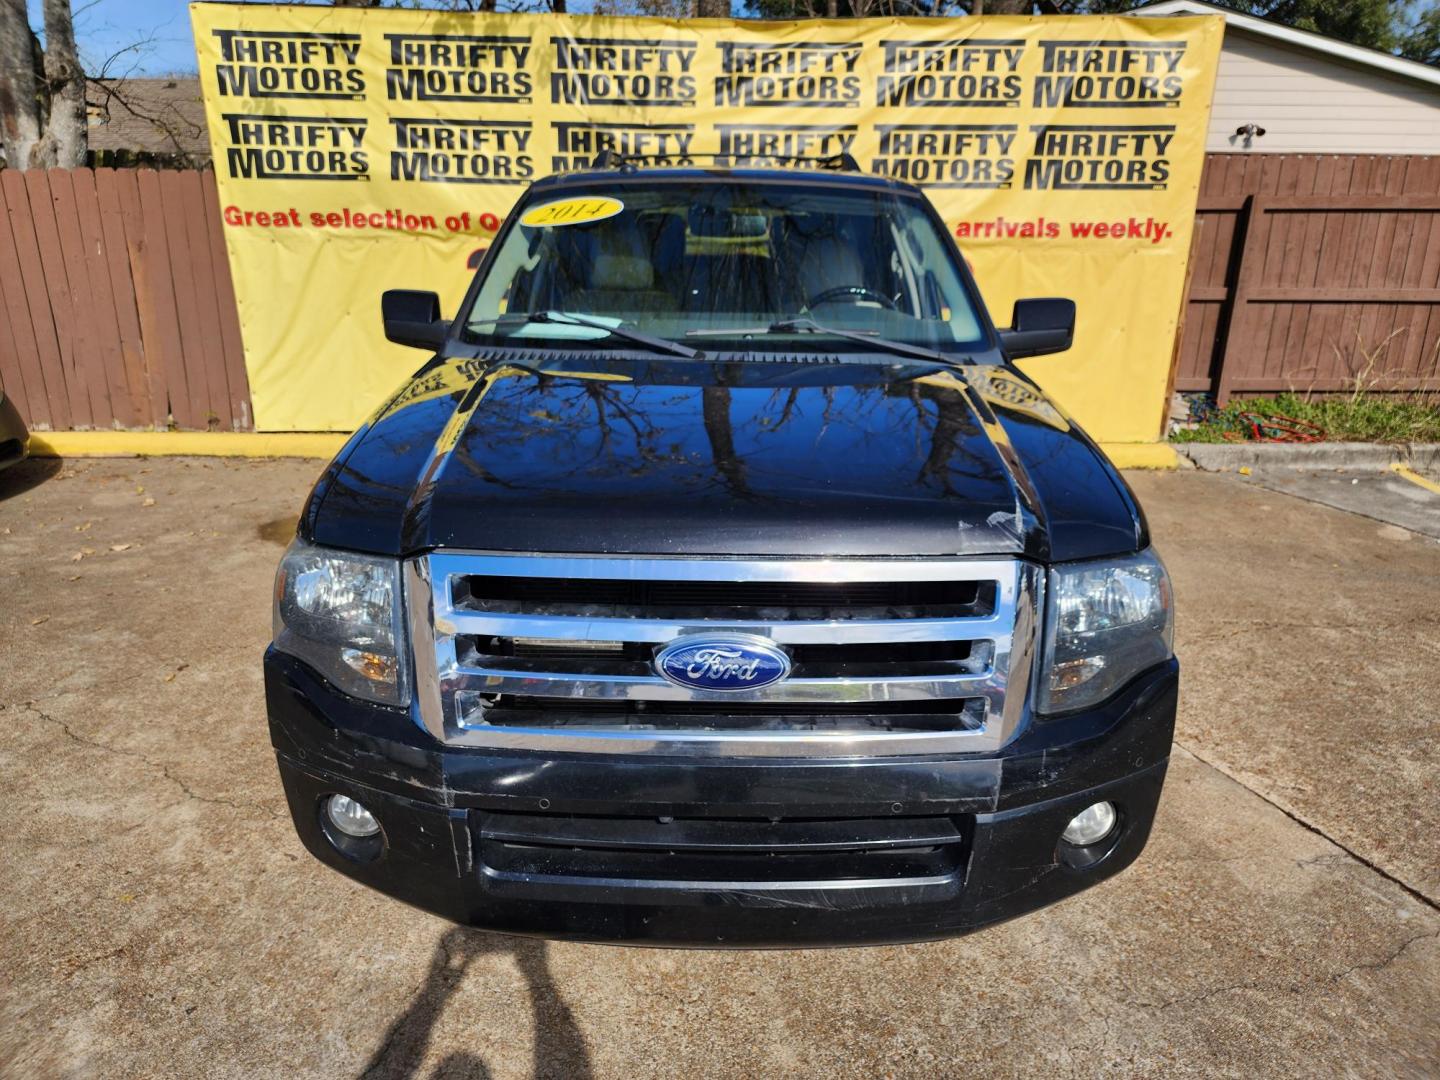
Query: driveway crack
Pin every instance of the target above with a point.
(1261, 985)
(160, 767)
(1380, 965)
(1410, 890)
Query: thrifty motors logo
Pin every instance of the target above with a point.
(461, 151)
(741, 144)
(578, 142)
(614, 71)
(457, 67)
(947, 155)
(946, 74)
(1088, 157)
(289, 64)
(812, 75)
(295, 147)
(1110, 75)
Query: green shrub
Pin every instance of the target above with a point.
(1359, 417)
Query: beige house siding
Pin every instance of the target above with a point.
(1310, 103)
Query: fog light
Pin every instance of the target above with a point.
(350, 818)
(1090, 826)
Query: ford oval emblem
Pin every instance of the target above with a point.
(724, 662)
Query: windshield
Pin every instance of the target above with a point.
(717, 265)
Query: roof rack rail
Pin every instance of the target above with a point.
(613, 159)
(843, 162)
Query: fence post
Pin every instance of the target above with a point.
(1239, 333)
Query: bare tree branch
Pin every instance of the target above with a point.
(106, 95)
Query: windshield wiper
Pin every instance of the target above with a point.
(810, 326)
(566, 318)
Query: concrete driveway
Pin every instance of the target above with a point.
(159, 918)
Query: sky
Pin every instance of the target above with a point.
(152, 37)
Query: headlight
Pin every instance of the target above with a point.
(1105, 622)
(340, 613)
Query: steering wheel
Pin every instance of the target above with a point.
(853, 293)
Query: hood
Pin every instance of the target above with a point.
(804, 456)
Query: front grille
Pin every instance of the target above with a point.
(557, 653)
(718, 849)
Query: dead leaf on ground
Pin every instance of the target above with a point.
(148, 502)
(120, 547)
(41, 619)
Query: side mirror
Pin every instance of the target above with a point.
(413, 318)
(1039, 326)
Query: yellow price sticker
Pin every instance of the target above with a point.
(574, 211)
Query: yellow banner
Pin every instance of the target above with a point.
(359, 150)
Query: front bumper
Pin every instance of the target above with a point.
(721, 853)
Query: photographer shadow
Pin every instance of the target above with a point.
(26, 475)
(559, 1047)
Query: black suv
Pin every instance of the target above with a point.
(719, 581)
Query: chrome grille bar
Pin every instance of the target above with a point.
(1005, 636)
(659, 631)
(492, 680)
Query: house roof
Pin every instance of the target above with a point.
(158, 116)
(1300, 39)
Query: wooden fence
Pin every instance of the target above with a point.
(1314, 272)
(116, 304)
